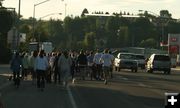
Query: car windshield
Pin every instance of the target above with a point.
(140, 57)
(162, 58)
(127, 56)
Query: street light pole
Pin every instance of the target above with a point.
(156, 23)
(34, 10)
(50, 15)
(65, 10)
(44, 17)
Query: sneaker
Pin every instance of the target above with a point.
(73, 81)
(105, 82)
(65, 84)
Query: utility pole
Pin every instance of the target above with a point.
(18, 24)
(35, 14)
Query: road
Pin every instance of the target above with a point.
(125, 90)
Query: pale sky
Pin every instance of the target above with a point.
(75, 7)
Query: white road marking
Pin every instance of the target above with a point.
(125, 79)
(73, 103)
(121, 77)
(143, 85)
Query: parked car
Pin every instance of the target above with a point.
(126, 61)
(159, 62)
(141, 60)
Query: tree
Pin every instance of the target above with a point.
(89, 40)
(173, 27)
(165, 13)
(85, 11)
(149, 43)
(141, 29)
(1, 3)
(6, 20)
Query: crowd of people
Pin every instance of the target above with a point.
(59, 67)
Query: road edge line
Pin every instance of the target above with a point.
(73, 103)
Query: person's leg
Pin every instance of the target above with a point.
(59, 77)
(18, 78)
(34, 76)
(43, 79)
(99, 72)
(111, 71)
(55, 76)
(14, 76)
(38, 79)
(105, 74)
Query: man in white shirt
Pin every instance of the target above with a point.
(41, 66)
(111, 67)
(106, 61)
(98, 65)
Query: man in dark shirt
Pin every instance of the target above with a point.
(82, 64)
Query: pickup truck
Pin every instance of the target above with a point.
(126, 61)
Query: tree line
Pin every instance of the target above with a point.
(94, 31)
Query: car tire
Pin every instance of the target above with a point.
(135, 70)
(168, 71)
(116, 68)
(150, 71)
(119, 69)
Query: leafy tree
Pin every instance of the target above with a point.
(89, 40)
(6, 22)
(173, 27)
(149, 43)
(85, 11)
(141, 30)
(165, 13)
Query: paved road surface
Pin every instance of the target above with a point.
(125, 90)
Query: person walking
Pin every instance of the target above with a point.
(41, 66)
(98, 65)
(111, 67)
(32, 59)
(64, 64)
(25, 65)
(82, 64)
(91, 66)
(51, 63)
(57, 75)
(106, 61)
(15, 66)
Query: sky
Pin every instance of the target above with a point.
(75, 7)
